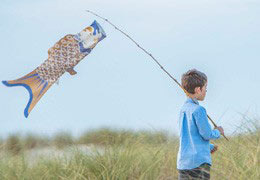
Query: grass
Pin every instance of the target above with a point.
(63, 139)
(239, 158)
(122, 154)
(13, 144)
(107, 136)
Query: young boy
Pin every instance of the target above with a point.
(194, 158)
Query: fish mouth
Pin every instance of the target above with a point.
(97, 27)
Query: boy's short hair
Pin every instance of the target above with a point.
(192, 79)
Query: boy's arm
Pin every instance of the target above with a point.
(203, 125)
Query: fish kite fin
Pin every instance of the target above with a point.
(35, 85)
(71, 71)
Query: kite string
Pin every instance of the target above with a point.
(156, 61)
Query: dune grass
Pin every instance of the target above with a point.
(128, 155)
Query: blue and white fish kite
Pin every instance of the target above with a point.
(62, 57)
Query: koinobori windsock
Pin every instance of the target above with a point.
(62, 57)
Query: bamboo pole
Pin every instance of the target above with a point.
(155, 60)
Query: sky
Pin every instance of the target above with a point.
(118, 85)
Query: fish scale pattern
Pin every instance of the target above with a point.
(65, 54)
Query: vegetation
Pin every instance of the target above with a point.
(62, 139)
(106, 136)
(121, 154)
(13, 144)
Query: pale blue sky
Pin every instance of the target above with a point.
(118, 85)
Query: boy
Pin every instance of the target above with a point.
(194, 158)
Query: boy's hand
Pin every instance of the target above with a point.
(221, 130)
(214, 149)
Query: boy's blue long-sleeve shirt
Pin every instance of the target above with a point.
(195, 136)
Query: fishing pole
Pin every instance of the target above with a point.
(155, 60)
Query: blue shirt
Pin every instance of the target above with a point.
(195, 134)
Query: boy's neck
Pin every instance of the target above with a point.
(194, 99)
(193, 96)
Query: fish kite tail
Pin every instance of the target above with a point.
(35, 85)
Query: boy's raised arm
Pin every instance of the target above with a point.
(203, 125)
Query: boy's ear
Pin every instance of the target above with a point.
(197, 89)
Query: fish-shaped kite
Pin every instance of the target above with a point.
(62, 57)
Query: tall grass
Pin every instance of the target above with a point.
(13, 144)
(107, 136)
(240, 157)
(31, 141)
(128, 155)
(134, 160)
(63, 139)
